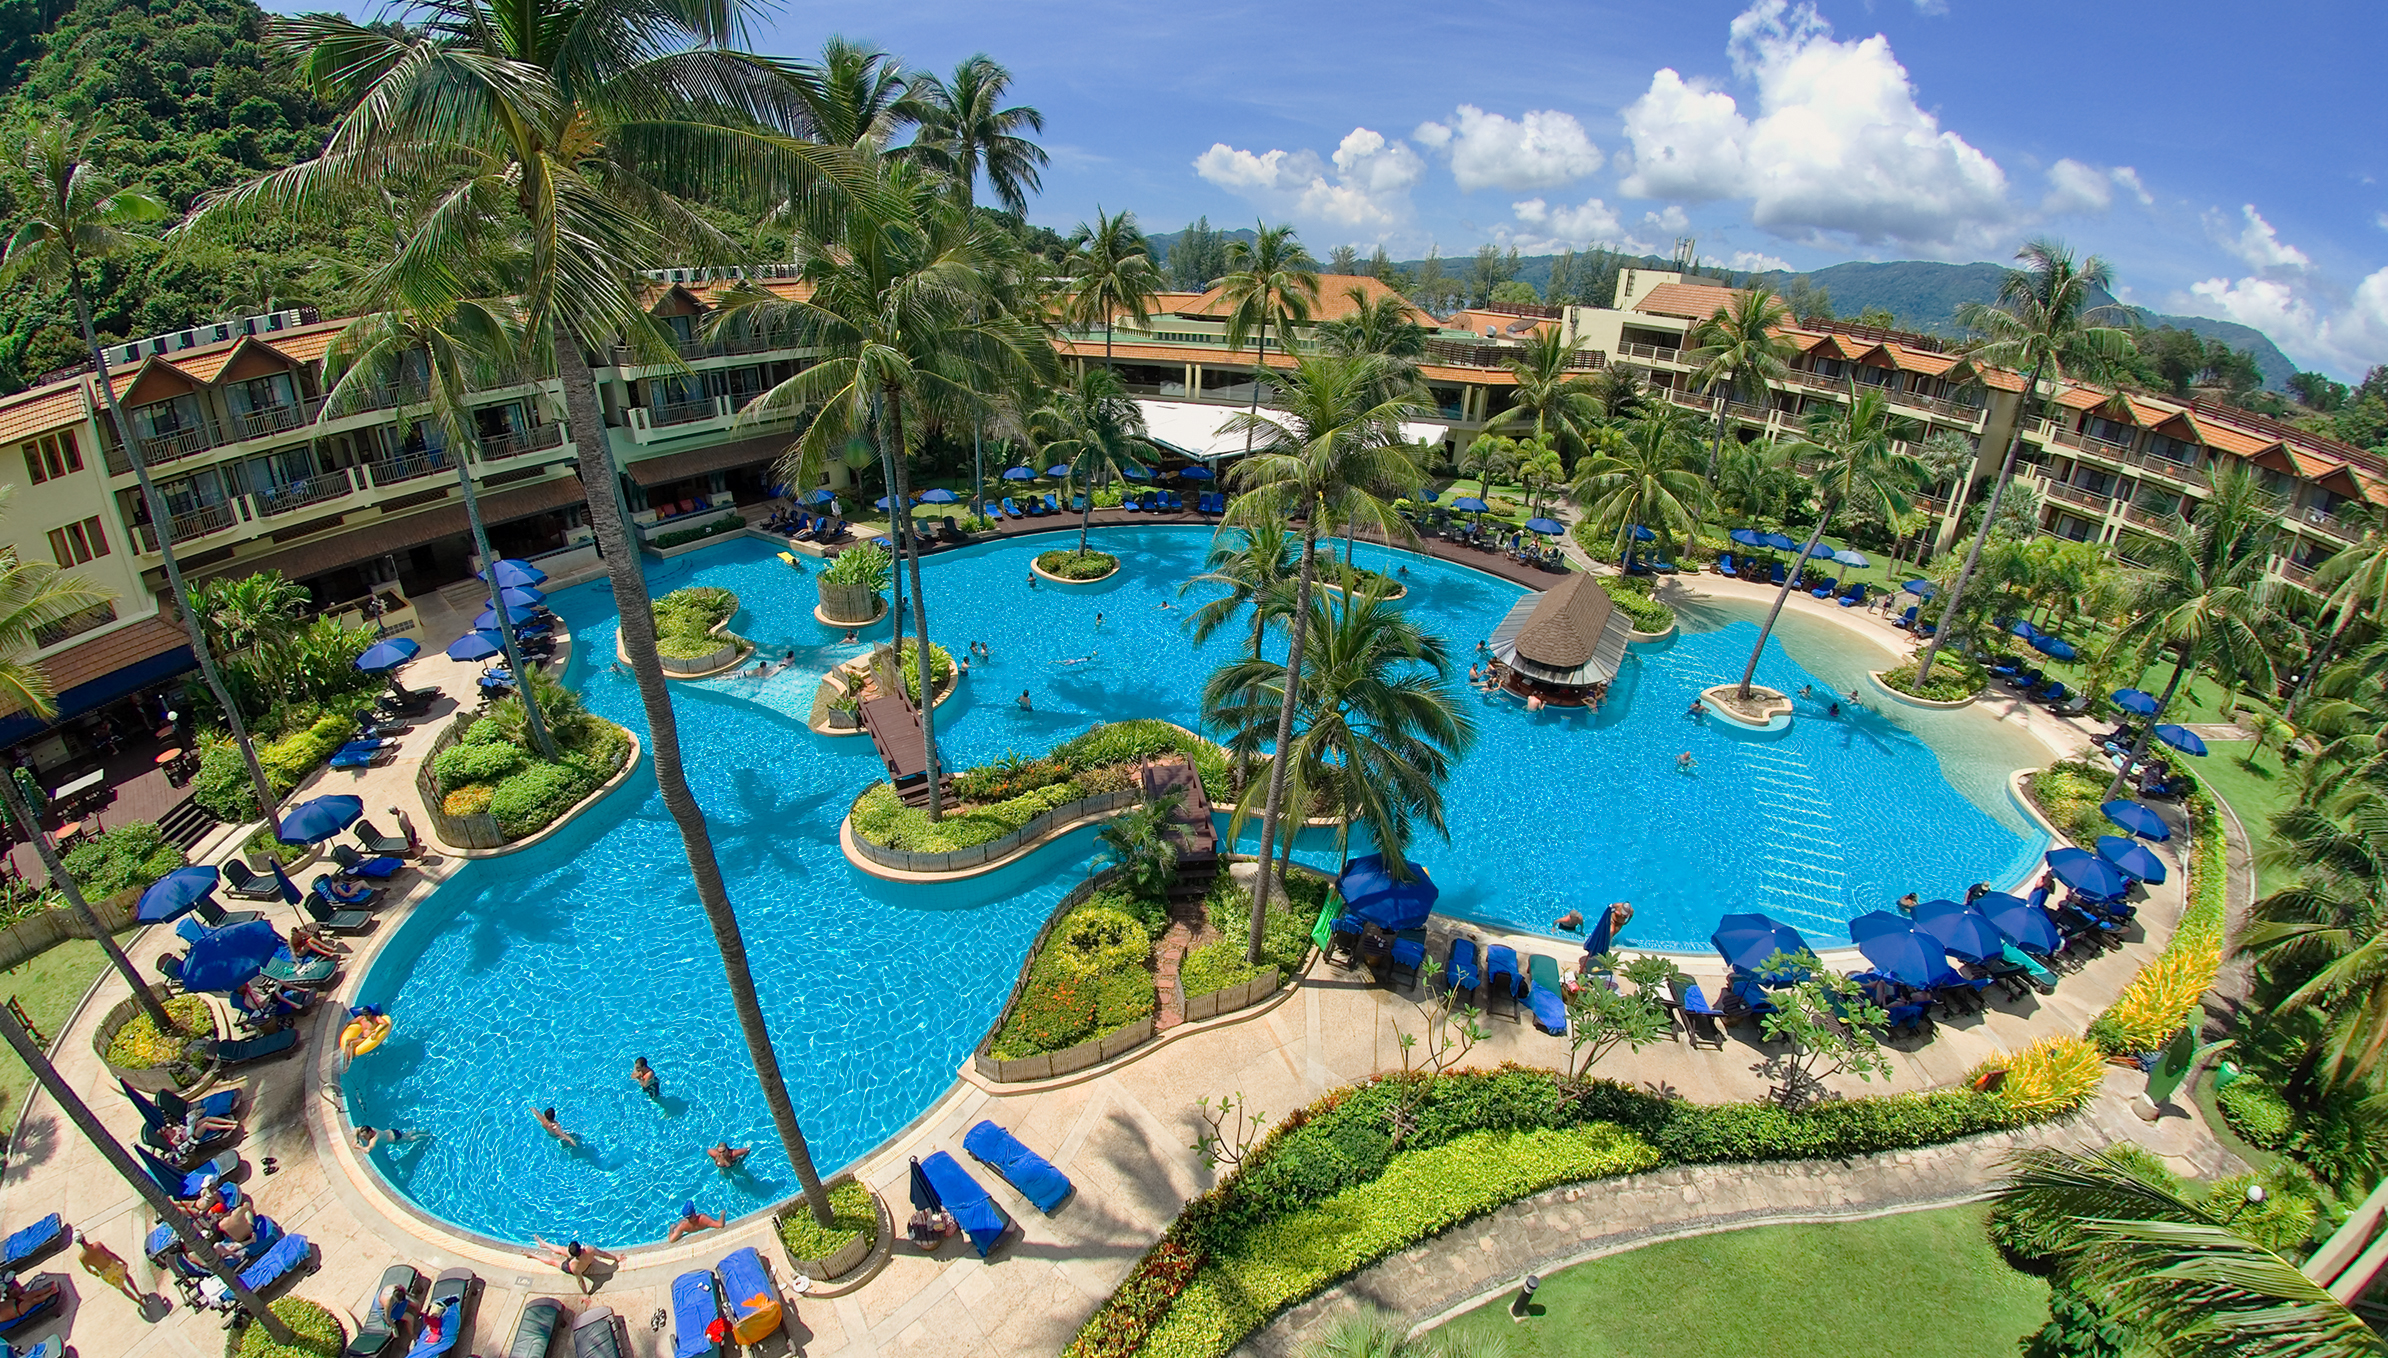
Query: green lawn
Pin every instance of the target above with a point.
(48, 986)
(1894, 1287)
(2256, 788)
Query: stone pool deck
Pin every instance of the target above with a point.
(1122, 1133)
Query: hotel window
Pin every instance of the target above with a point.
(49, 458)
(79, 542)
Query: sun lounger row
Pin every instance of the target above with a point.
(735, 1302)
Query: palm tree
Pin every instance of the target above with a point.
(1861, 464)
(1740, 353)
(1384, 326)
(1485, 457)
(76, 220)
(1094, 429)
(2357, 578)
(566, 125)
(910, 334)
(1328, 459)
(1140, 846)
(1757, 480)
(1257, 567)
(1271, 280)
(2186, 1280)
(1376, 732)
(2043, 322)
(1539, 467)
(1641, 473)
(1563, 403)
(965, 132)
(2203, 595)
(1111, 273)
(856, 96)
(2328, 934)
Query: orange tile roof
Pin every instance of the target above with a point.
(1691, 301)
(2374, 489)
(1334, 299)
(41, 411)
(307, 346)
(1502, 322)
(2076, 398)
(2217, 435)
(1170, 353)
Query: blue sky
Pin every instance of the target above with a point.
(2225, 160)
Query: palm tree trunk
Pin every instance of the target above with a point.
(1285, 714)
(2346, 614)
(1790, 581)
(908, 552)
(1260, 372)
(48, 853)
(1973, 554)
(1085, 517)
(268, 803)
(978, 474)
(2139, 748)
(586, 424)
(497, 604)
(1716, 449)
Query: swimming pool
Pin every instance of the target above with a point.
(535, 978)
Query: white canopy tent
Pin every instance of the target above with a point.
(1193, 429)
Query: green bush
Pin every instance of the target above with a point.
(2070, 792)
(2256, 1112)
(1096, 940)
(1285, 934)
(138, 1045)
(941, 667)
(320, 1333)
(1631, 594)
(1091, 979)
(851, 1208)
(879, 817)
(126, 858)
(1070, 564)
(1109, 497)
(681, 537)
(527, 802)
(222, 784)
(863, 565)
(1953, 678)
(685, 619)
(485, 762)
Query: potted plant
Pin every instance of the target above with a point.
(850, 586)
(845, 712)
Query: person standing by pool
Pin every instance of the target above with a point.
(647, 1079)
(547, 1120)
(109, 1267)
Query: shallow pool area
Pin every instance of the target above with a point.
(534, 979)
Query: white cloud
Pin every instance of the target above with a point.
(2381, 221)
(1543, 228)
(2344, 340)
(1750, 261)
(1935, 8)
(2075, 187)
(1543, 149)
(1370, 186)
(2255, 242)
(1839, 144)
(2129, 179)
(1673, 219)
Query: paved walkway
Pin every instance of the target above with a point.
(1122, 1134)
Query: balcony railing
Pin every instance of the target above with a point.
(516, 442)
(1650, 351)
(2075, 495)
(275, 419)
(412, 466)
(2329, 523)
(683, 412)
(312, 490)
(179, 443)
(1930, 504)
(2147, 518)
(724, 346)
(1955, 410)
(74, 624)
(2293, 573)
(197, 523)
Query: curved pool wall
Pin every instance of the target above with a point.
(533, 979)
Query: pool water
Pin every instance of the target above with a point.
(534, 979)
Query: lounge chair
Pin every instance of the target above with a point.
(751, 1294)
(363, 756)
(174, 1107)
(1724, 563)
(378, 1332)
(32, 1242)
(1459, 969)
(1701, 1020)
(180, 1183)
(696, 1307)
(1078, 503)
(235, 1051)
(1545, 996)
(535, 1328)
(217, 917)
(247, 883)
(456, 1287)
(1128, 503)
(316, 970)
(1035, 1177)
(355, 865)
(596, 1334)
(287, 1257)
(1778, 576)
(1854, 596)
(1500, 977)
(1011, 510)
(39, 1300)
(953, 531)
(324, 910)
(372, 840)
(2057, 695)
(961, 1196)
(1343, 939)
(1748, 997)
(1409, 954)
(1050, 506)
(1826, 590)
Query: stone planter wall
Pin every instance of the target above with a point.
(1051, 579)
(848, 1258)
(155, 1080)
(1929, 704)
(730, 653)
(1049, 1064)
(457, 832)
(906, 860)
(849, 605)
(1196, 1008)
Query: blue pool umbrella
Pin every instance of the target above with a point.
(1848, 557)
(384, 656)
(2136, 703)
(320, 819)
(175, 893)
(924, 1198)
(487, 619)
(2181, 738)
(1875, 923)
(1899, 952)
(2138, 819)
(880, 503)
(282, 882)
(2055, 648)
(2024, 629)
(474, 646)
(1426, 497)
(225, 959)
(1820, 551)
(939, 495)
(1962, 930)
(1748, 537)
(1469, 504)
(1543, 526)
(1922, 589)
(1604, 934)
(2131, 858)
(1781, 542)
(511, 572)
(2021, 922)
(822, 496)
(1196, 473)
(2087, 873)
(149, 1111)
(1746, 941)
(1639, 533)
(520, 596)
(168, 1177)
(1019, 474)
(1369, 891)
(1137, 473)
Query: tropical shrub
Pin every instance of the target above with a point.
(685, 619)
(1953, 678)
(472, 800)
(864, 565)
(527, 802)
(1096, 939)
(1070, 564)
(320, 1333)
(1631, 594)
(2158, 1001)
(1016, 791)
(851, 1211)
(222, 784)
(21, 900)
(681, 537)
(1091, 979)
(2256, 1111)
(2056, 1074)
(2284, 1220)
(2069, 793)
(126, 858)
(1285, 939)
(138, 1045)
(481, 762)
(941, 667)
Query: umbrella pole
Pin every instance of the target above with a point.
(48, 853)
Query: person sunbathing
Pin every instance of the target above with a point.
(346, 893)
(309, 940)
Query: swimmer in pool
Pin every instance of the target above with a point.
(1684, 763)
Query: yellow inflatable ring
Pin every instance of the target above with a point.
(363, 1035)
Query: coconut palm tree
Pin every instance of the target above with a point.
(1376, 731)
(1740, 353)
(966, 132)
(2204, 595)
(2357, 578)
(2327, 935)
(1111, 273)
(1640, 472)
(2044, 322)
(1555, 400)
(1485, 457)
(75, 220)
(2188, 1282)
(1860, 462)
(567, 126)
(1385, 326)
(1255, 563)
(1092, 428)
(1329, 458)
(1539, 467)
(1271, 280)
(857, 96)
(1756, 480)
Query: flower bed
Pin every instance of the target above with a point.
(1631, 593)
(1077, 567)
(822, 1253)
(1091, 977)
(1954, 680)
(1220, 963)
(995, 800)
(1327, 1192)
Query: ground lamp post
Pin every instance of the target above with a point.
(195, 1245)
(48, 853)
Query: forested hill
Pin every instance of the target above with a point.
(191, 103)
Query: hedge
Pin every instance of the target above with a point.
(222, 784)
(320, 1333)
(680, 537)
(1092, 978)
(1071, 564)
(1953, 678)
(130, 856)
(486, 772)
(1093, 761)
(2069, 793)
(2161, 999)
(1326, 1191)
(2256, 1112)
(1631, 594)
(850, 1206)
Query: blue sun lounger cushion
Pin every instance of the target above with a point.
(1035, 1176)
(32, 1240)
(1462, 968)
(288, 1254)
(751, 1296)
(1543, 997)
(971, 1207)
(696, 1306)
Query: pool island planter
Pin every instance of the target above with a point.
(977, 858)
(1774, 709)
(1226, 999)
(1045, 1065)
(844, 605)
(1929, 704)
(477, 835)
(1064, 581)
(847, 1264)
(1399, 593)
(149, 1079)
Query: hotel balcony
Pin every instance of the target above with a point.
(205, 521)
(2114, 455)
